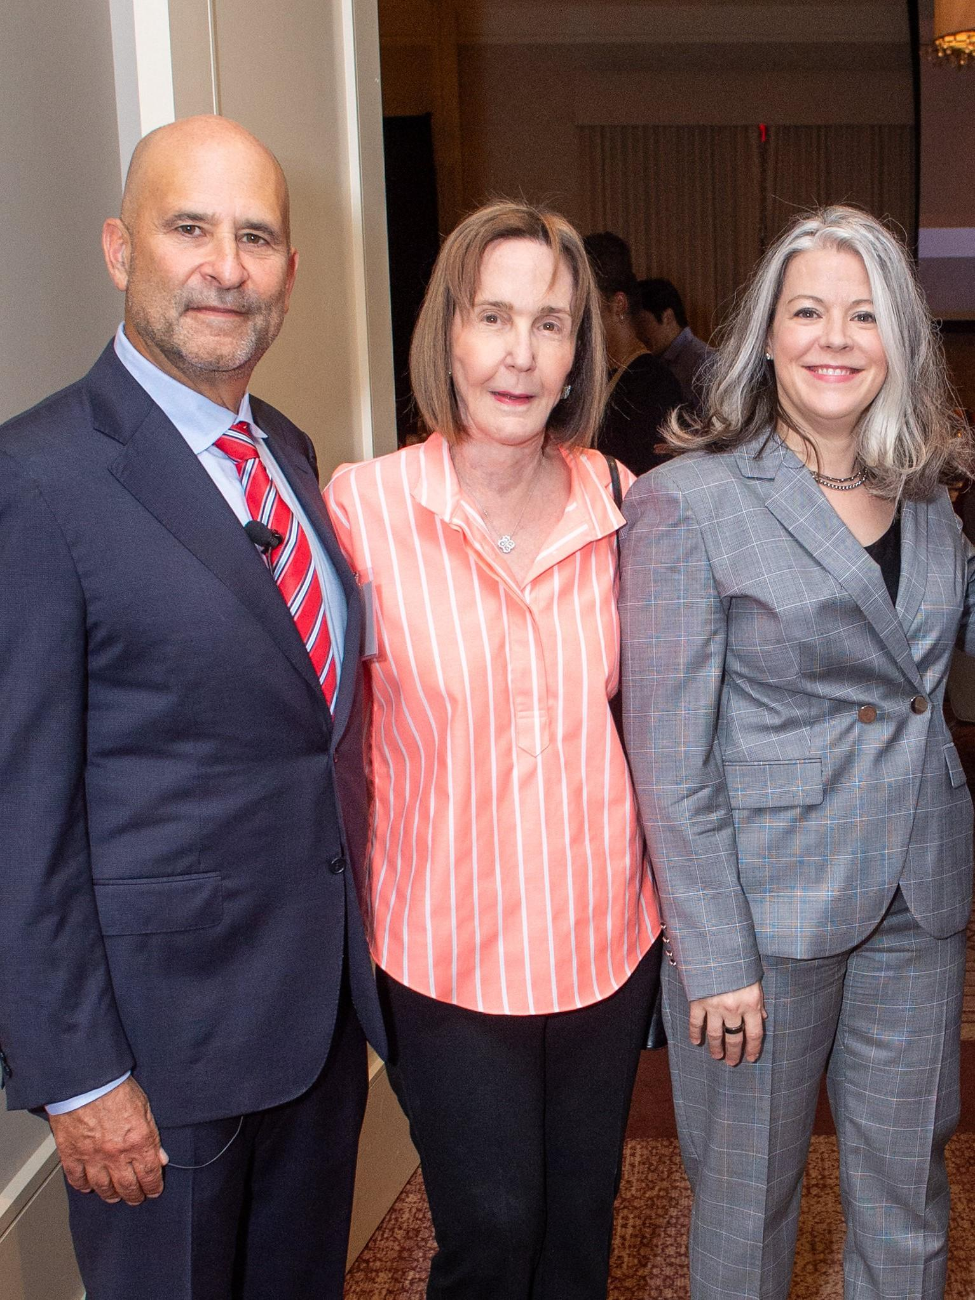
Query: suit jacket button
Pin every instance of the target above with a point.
(919, 704)
(867, 713)
(337, 865)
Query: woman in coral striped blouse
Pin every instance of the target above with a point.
(511, 911)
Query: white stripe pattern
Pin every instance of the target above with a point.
(507, 871)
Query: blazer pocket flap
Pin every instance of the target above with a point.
(785, 783)
(956, 773)
(159, 905)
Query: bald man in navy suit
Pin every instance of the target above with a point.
(185, 978)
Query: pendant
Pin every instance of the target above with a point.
(506, 544)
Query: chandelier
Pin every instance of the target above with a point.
(954, 30)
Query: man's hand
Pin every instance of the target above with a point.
(111, 1146)
(715, 1016)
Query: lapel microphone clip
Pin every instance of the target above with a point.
(264, 538)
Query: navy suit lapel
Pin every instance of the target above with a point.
(157, 466)
(800, 506)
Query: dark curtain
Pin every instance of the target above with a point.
(698, 204)
(414, 240)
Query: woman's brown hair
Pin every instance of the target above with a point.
(452, 288)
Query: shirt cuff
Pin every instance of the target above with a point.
(75, 1103)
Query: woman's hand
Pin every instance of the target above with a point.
(717, 1017)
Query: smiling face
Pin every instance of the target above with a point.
(512, 351)
(202, 253)
(829, 360)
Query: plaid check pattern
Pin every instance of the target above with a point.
(291, 562)
(810, 826)
(885, 1019)
(755, 628)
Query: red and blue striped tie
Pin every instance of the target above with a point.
(291, 563)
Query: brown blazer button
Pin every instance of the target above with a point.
(867, 713)
(919, 704)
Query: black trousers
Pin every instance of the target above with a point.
(268, 1220)
(519, 1122)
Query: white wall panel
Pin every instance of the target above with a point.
(60, 161)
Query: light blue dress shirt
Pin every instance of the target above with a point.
(202, 422)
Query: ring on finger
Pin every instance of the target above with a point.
(735, 1029)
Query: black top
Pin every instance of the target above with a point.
(644, 395)
(886, 551)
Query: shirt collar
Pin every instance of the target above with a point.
(590, 511)
(200, 421)
(678, 345)
(433, 481)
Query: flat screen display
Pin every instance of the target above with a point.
(946, 234)
(946, 261)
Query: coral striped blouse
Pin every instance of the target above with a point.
(506, 870)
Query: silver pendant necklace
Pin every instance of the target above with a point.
(506, 541)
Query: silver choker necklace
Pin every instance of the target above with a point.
(855, 480)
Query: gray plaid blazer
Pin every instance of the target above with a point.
(783, 721)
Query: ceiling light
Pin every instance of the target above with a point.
(954, 30)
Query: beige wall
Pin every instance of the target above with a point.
(315, 100)
(521, 141)
(408, 74)
(524, 139)
(960, 352)
(36, 1260)
(407, 33)
(58, 308)
(59, 152)
(529, 73)
(947, 146)
(314, 371)
(520, 103)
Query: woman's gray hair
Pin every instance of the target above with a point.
(908, 437)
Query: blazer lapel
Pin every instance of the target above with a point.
(157, 466)
(914, 560)
(304, 484)
(800, 506)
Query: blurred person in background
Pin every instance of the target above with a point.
(641, 391)
(662, 326)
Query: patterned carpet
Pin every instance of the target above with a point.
(649, 1244)
(649, 1254)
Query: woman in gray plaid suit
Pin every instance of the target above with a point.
(792, 590)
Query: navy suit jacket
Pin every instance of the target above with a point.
(177, 805)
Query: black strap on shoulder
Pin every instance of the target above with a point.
(614, 479)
